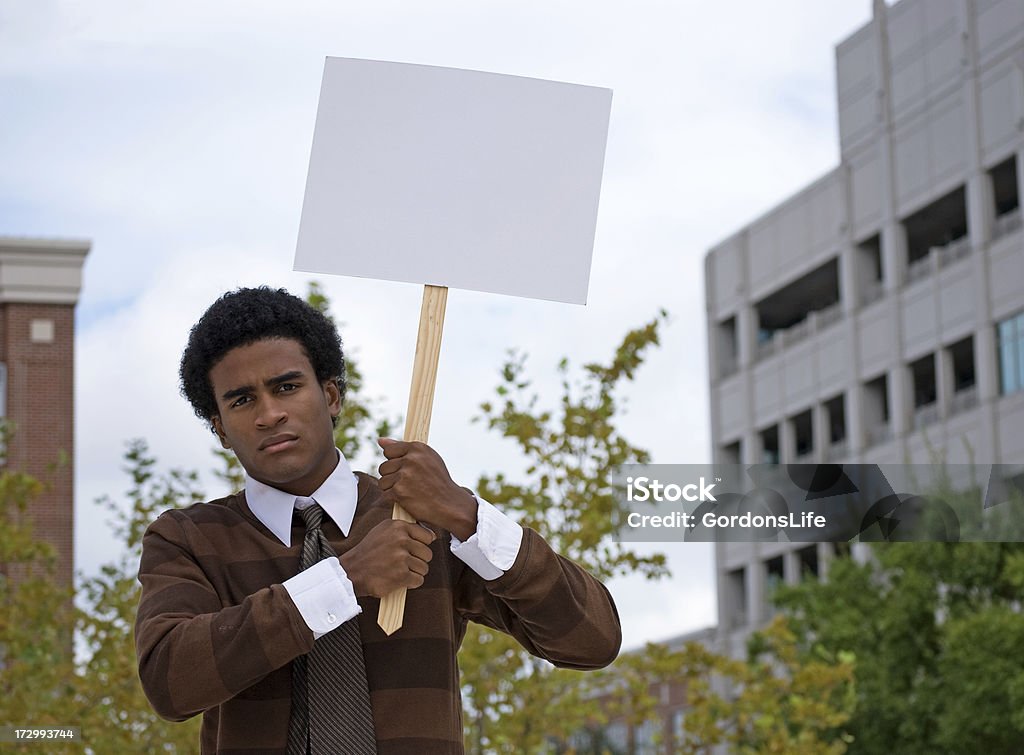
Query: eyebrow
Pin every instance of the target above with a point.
(269, 382)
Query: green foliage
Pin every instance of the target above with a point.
(35, 617)
(939, 639)
(40, 684)
(228, 470)
(571, 452)
(774, 702)
(119, 718)
(514, 701)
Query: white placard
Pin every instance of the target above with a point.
(454, 178)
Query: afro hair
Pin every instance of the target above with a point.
(241, 317)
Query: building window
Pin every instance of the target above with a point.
(612, 739)
(774, 577)
(869, 269)
(803, 436)
(770, 445)
(728, 347)
(774, 573)
(808, 562)
(841, 550)
(939, 229)
(1011, 353)
(41, 331)
(730, 453)
(965, 392)
(835, 410)
(1004, 193)
(617, 737)
(679, 728)
(922, 376)
(805, 306)
(876, 410)
(645, 737)
(736, 598)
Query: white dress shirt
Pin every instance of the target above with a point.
(323, 593)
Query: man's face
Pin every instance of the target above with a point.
(275, 415)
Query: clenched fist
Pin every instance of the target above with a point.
(416, 478)
(393, 554)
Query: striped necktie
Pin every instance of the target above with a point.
(331, 712)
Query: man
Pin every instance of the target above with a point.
(231, 623)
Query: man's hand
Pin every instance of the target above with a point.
(393, 554)
(415, 477)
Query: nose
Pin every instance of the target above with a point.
(271, 413)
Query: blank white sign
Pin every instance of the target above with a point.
(454, 178)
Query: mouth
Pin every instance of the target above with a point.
(277, 443)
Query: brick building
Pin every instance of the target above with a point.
(40, 280)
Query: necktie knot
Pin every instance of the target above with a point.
(312, 515)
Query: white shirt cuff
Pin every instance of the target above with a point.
(324, 595)
(493, 548)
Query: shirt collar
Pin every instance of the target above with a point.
(337, 497)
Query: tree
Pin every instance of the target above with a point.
(515, 701)
(774, 702)
(116, 716)
(518, 703)
(36, 616)
(40, 682)
(938, 634)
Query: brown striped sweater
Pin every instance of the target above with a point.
(216, 632)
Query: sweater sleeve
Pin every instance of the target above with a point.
(550, 605)
(195, 652)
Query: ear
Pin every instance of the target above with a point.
(333, 395)
(219, 429)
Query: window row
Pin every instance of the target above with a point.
(940, 384)
(935, 236)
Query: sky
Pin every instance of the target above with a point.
(176, 138)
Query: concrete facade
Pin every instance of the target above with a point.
(40, 282)
(875, 316)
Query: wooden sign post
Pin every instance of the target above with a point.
(417, 417)
(452, 179)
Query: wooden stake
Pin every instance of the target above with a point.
(417, 418)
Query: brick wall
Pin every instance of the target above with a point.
(37, 345)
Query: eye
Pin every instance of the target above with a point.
(287, 387)
(240, 401)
